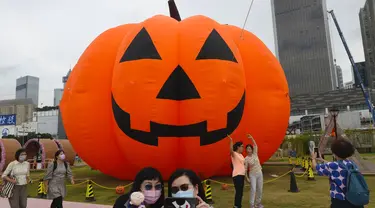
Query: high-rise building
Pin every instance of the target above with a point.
(340, 79)
(303, 45)
(361, 66)
(367, 21)
(28, 87)
(349, 85)
(57, 95)
(60, 129)
(65, 78)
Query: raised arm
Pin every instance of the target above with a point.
(320, 169)
(255, 146)
(230, 145)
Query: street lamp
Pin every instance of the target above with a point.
(38, 136)
(334, 112)
(38, 160)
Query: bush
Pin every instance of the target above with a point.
(300, 142)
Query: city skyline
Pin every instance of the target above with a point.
(53, 44)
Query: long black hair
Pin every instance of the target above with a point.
(193, 177)
(148, 173)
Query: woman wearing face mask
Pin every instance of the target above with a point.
(185, 183)
(255, 175)
(149, 182)
(18, 173)
(54, 179)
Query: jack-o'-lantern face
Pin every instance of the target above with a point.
(180, 86)
(164, 93)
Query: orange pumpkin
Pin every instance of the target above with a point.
(120, 190)
(165, 93)
(224, 187)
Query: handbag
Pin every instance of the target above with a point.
(7, 189)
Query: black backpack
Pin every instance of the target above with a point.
(55, 166)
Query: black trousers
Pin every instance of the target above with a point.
(336, 203)
(57, 202)
(238, 185)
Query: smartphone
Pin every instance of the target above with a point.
(172, 202)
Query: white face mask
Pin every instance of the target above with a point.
(184, 194)
(22, 158)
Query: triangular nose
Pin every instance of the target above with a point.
(178, 87)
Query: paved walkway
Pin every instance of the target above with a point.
(41, 203)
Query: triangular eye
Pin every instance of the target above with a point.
(141, 47)
(216, 48)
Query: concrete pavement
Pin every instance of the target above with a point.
(43, 203)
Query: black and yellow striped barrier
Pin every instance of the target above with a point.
(310, 175)
(208, 191)
(90, 192)
(41, 189)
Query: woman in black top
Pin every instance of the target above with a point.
(150, 183)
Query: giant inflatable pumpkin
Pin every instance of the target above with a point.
(165, 93)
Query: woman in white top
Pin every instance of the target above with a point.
(254, 176)
(18, 173)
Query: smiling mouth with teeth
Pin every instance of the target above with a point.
(123, 120)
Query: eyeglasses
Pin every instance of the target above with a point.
(183, 187)
(149, 187)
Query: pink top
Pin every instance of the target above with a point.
(238, 162)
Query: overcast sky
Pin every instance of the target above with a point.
(44, 38)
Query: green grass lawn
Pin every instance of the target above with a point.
(369, 157)
(312, 193)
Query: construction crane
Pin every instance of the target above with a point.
(356, 71)
(365, 166)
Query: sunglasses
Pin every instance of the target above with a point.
(149, 187)
(183, 187)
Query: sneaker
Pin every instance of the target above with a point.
(259, 206)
